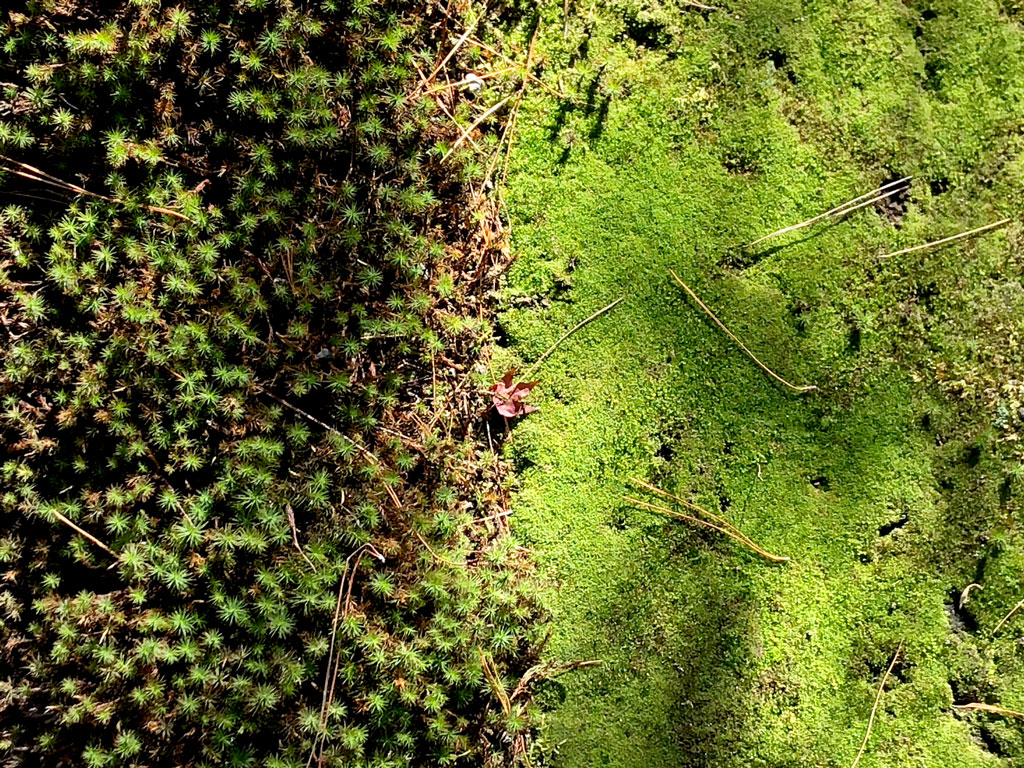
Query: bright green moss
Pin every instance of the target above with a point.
(712, 130)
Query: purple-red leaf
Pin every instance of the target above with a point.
(509, 396)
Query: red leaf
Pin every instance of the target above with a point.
(509, 396)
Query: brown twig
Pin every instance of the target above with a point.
(32, 173)
(945, 240)
(468, 80)
(475, 123)
(547, 671)
(700, 510)
(83, 532)
(341, 609)
(496, 685)
(295, 533)
(511, 128)
(990, 708)
(530, 75)
(878, 700)
(569, 333)
(727, 531)
(452, 52)
(733, 336)
(365, 451)
(894, 187)
(437, 556)
(1007, 617)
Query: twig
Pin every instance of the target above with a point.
(468, 80)
(945, 240)
(332, 663)
(446, 59)
(37, 175)
(690, 505)
(437, 556)
(878, 700)
(83, 532)
(733, 336)
(697, 521)
(511, 132)
(530, 75)
(328, 427)
(990, 708)
(569, 333)
(700, 6)
(549, 670)
(496, 685)
(295, 533)
(895, 187)
(1007, 617)
(467, 131)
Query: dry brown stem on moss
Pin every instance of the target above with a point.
(978, 706)
(875, 195)
(1008, 616)
(702, 517)
(341, 609)
(952, 238)
(878, 700)
(734, 337)
(466, 131)
(547, 353)
(30, 172)
(548, 670)
(83, 532)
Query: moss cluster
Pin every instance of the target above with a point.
(240, 507)
(892, 487)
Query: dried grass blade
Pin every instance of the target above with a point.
(943, 241)
(990, 708)
(878, 700)
(707, 524)
(751, 355)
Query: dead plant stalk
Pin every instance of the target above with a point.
(734, 337)
(878, 700)
(953, 238)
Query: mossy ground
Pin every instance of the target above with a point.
(889, 487)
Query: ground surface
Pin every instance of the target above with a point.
(892, 487)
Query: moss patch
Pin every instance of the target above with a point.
(691, 133)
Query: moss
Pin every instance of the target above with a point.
(679, 146)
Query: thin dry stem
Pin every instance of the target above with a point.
(40, 176)
(530, 75)
(751, 355)
(1008, 616)
(511, 132)
(570, 332)
(990, 708)
(468, 80)
(690, 505)
(467, 131)
(83, 532)
(365, 451)
(727, 531)
(496, 685)
(943, 241)
(878, 700)
(895, 187)
(465, 36)
(295, 533)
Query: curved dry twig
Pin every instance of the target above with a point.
(950, 239)
(874, 196)
(878, 700)
(975, 705)
(712, 521)
(734, 337)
